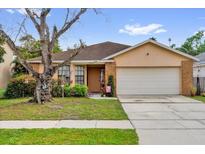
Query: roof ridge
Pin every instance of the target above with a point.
(70, 50)
(106, 42)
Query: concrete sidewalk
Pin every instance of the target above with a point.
(120, 124)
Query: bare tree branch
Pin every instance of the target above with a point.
(33, 19)
(68, 24)
(20, 28)
(67, 15)
(97, 11)
(24, 30)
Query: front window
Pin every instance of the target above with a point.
(79, 75)
(64, 74)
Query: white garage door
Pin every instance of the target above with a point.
(134, 81)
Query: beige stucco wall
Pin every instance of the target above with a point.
(36, 67)
(149, 55)
(39, 68)
(5, 67)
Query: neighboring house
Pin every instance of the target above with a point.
(146, 68)
(199, 71)
(6, 66)
(199, 67)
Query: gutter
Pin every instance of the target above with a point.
(77, 61)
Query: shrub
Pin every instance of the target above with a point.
(56, 88)
(76, 91)
(56, 91)
(79, 90)
(67, 90)
(24, 86)
(21, 86)
(193, 91)
(111, 84)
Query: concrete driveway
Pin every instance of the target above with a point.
(166, 119)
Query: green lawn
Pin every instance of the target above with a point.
(199, 98)
(61, 108)
(68, 136)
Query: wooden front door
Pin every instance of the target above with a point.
(93, 79)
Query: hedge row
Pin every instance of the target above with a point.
(24, 86)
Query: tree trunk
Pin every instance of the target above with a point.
(43, 89)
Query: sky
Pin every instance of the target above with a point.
(126, 26)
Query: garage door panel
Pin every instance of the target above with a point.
(148, 81)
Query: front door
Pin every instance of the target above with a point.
(94, 76)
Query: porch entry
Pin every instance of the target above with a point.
(95, 78)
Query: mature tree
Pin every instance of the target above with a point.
(2, 51)
(194, 45)
(48, 39)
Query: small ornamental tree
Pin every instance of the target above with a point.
(111, 84)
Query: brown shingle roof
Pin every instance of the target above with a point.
(61, 56)
(92, 52)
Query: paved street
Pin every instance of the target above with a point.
(167, 122)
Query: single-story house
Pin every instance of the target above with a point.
(6, 66)
(148, 68)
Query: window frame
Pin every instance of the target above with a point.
(80, 74)
(64, 73)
